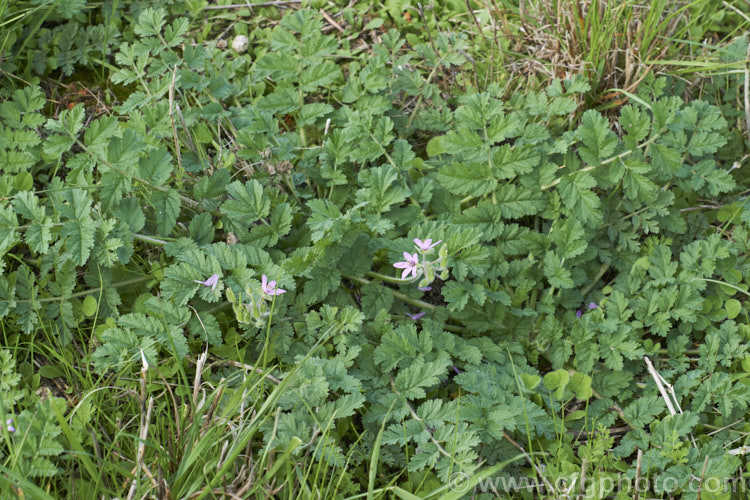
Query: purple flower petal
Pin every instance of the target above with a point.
(457, 370)
(424, 288)
(579, 313)
(409, 265)
(269, 287)
(425, 245)
(415, 317)
(212, 281)
(593, 305)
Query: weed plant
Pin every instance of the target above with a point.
(353, 262)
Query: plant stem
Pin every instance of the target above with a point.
(90, 290)
(397, 294)
(149, 239)
(187, 201)
(389, 278)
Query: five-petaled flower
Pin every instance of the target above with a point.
(210, 281)
(409, 265)
(269, 287)
(426, 245)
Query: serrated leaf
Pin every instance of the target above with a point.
(150, 22)
(516, 201)
(376, 298)
(557, 275)
(319, 75)
(569, 237)
(576, 194)
(508, 161)
(467, 178)
(166, 209)
(156, 166)
(205, 326)
(248, 204)
(202, 229)
(599, 142)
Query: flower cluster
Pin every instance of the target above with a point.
(256, 308)
(417, 264)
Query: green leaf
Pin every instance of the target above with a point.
(150, 22)
(56, 145)
(166, 209)
(569, 237)
(281, 219)
(23, 181)
(530, 381)
(462, 141)
(90, 305)
(733, 308)
(435, 146)
(376, 298)
(205, 326)
(412, 381)
(508, 161)
(380, 188)
(457, 294)
(557, 275)
(635, 183)
(665, 159)
(580, 383)
(278, 65)
(156, 167)
(309, 113)
(575, 190)
(599, 142)
(319, 75)
(485, 216)
(248, 204)
(202, 229)
(516, 201)
(180, 283)
(130, 212)
(470, 178)
(703, 142)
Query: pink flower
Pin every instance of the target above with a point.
(269, 287)
(9, 423)
(593, 305)
(426, 245)
(210, 281)
(409, 265)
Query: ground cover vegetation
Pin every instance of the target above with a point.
(409, 250)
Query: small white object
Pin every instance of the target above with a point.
(240, 43)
